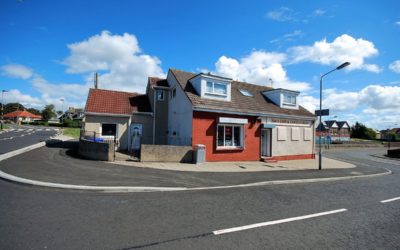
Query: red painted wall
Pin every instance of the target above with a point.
(205, 132)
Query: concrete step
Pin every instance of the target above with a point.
(268, 159)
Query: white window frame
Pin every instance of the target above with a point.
(160, 94)
(214, 93)
(292, 99)
(241, 140)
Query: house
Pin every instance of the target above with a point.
(19, 116)
(390, 134)
(122, 115)
(336, 130)
(236, 121)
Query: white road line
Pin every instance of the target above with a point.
(269, 223)
(389, 200)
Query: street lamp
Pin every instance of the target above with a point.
(62, 110)
(320, 110)
(2, 108)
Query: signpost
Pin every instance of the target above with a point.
(323, 112)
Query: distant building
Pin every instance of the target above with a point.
(336, 130)
(385, 134)
(21, 116)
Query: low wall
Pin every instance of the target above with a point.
(395, 153)
(166, 153)
(96, 150)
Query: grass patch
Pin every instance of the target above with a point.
(73, 132)
(4, 127)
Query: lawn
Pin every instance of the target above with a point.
(73, 132)
(4, 127)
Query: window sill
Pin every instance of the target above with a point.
(230, 148)
(215, 94)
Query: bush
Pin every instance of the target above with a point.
(72, 123)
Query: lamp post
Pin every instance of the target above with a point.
(62, 111)
(2, 108)
(320, 110)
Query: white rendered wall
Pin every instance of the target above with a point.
(180, 115)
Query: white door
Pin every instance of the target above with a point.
(266, 142)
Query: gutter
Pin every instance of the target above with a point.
(254, 114)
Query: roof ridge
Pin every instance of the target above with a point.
(119, 91)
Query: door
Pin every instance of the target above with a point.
(266, 142)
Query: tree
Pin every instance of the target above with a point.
(48, 112)
(361, 131)
(34, 111)
(11, 107)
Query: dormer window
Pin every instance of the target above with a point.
(284, 98)
(215, 88)
(212, 87)
(289, 99)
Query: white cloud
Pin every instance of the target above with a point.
(344, 48)
(258, 67)
(16, 71)
(319, 12)
(282, 14)
(120, 58)
(14, 95)
(395, 66)
(289, 37)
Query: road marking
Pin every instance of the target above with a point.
(269, 223)
(389, 200)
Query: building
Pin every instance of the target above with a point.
(236, 121)
(125, 116)
(22, 116)
(336, 130)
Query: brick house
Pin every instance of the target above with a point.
(238, 121)
(336, 130)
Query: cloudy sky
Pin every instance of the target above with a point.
(50, 49)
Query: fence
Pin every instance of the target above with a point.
(94, 136)
(394, 145)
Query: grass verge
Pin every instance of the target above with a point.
(73, 132)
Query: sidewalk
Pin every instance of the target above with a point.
(252, 166)
(58, 165)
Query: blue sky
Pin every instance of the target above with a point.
(50, 49)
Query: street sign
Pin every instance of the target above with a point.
(324, 112)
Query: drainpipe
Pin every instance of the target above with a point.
(154, 115)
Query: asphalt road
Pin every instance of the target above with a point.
(38, 218)
(22, 136)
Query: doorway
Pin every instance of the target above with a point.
(266, 140)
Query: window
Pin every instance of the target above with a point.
(245, 92)
(160, 95)
(229, 136)
(108, 129)
(214, 88)
(289, 99)
(173, 93)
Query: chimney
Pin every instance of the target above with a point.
(96, 80)
(272, 83)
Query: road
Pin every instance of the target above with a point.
(355, 216)
(22, 136)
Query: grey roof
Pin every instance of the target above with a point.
(257, 104)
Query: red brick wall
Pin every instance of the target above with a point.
(205, 132)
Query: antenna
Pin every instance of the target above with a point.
(96, 80)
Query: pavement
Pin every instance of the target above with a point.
(57, 165)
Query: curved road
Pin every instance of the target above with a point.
(355, 214)
(22, 136)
